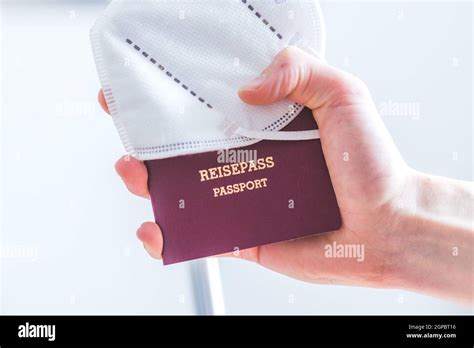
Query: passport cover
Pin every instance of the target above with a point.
(204, 209)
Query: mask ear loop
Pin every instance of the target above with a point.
(278, 135)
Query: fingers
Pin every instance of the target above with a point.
(152, 238)
(300, 77)
(103, 102)
(250, 254)
(132, 171)
(135, 177)
(134, 174)
(150, 235)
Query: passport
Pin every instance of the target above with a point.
(225, 201)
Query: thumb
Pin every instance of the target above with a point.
(302, 78)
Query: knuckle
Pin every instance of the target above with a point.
(348, 88)
(359, 85)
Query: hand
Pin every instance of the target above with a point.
(370, 178)
(364, 184)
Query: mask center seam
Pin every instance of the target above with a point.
(168, 73)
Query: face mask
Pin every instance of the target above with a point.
(170, 70)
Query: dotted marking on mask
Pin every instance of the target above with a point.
(265, 21)
(295, 108)
(168, 73)
(221, 143)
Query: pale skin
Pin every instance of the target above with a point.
(417, 229)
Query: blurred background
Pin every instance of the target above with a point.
(68, 224)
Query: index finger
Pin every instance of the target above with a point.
(102, 102)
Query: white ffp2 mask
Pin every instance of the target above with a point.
(171, 69)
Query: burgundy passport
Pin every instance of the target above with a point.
(206, 206)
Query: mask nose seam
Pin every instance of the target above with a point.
(168, 73)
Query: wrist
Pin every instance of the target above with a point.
(432, 237)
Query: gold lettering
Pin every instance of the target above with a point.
(213, 173)
(219, 171)
(235, 168)
(204, 175)
(252, 166)
(226, 170)
(270, 162)
(243, 166)
(240, 187)
(261, 163)
(236, 188)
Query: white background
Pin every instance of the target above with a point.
(68, 224)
